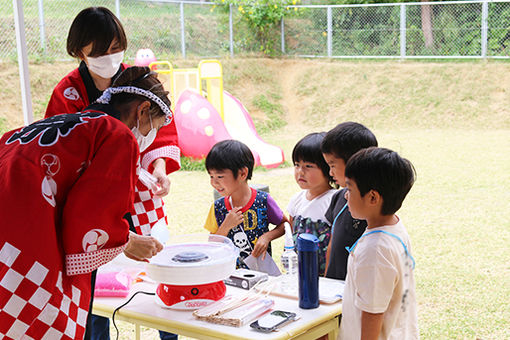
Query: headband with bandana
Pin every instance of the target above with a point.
(107, 96)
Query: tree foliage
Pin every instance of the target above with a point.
(263, 17)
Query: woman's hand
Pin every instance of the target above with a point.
(142, 248)
(160, 174)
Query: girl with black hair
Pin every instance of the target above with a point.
(307, 207)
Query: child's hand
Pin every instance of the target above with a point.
(261, 246)
(234, 218)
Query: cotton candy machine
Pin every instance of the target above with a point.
(190, 270)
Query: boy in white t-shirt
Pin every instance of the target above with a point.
(379, 298)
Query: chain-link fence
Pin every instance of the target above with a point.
(204, 29)
(408, 30)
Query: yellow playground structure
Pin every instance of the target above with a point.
(205, 113)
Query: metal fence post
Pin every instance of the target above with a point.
(24, 76)
(485, 16)
(330, 33)
(231, 29)
(282, 34)
(183, 35)
(41, 26)
(403, 26)
(117, 8)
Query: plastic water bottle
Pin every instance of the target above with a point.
(289, 263)
(308, 258)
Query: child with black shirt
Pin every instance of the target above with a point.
(338, 146)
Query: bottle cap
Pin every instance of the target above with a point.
(289, 242)
(307, 242)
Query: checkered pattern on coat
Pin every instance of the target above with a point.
(148, 209)
(39, 303)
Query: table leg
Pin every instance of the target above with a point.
(137, 332)
(333, 334)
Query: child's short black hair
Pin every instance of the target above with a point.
(230, 154)
(384, 171)
(346, 139)
(308, 149)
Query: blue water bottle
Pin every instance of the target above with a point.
(308, 264)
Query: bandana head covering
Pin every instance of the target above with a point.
(107, 96)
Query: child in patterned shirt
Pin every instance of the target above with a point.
(243, 214)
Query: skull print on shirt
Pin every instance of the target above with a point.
(255, 224)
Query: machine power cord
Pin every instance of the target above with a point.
(123, 305)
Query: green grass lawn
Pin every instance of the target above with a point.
(457, 215)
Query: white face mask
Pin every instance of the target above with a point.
(105, 66)
(144, 141)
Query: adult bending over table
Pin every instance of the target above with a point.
(97, 38)
(67, 181)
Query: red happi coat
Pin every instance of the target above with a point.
(74, 93)
(66, 182)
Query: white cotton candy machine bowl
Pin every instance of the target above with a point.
(190, 270)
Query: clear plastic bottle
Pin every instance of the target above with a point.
(289, 282)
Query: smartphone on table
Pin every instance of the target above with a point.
(272, 321)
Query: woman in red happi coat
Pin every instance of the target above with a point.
(97, 38)
(67, 181)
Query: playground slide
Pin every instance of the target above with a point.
(200, 126)
(240, 126)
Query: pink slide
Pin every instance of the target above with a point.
(200, 126)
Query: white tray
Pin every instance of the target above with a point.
(330, 290)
